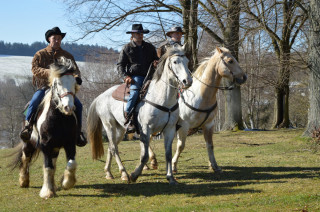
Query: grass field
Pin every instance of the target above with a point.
(262, 171)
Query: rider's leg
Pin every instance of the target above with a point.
(134, 95)
(82, 141)
(25, 134)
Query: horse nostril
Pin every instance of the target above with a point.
(67, 108)
(184, 82)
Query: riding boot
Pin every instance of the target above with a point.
(81, 141)
(25, 134)
(129, 119)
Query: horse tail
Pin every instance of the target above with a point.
(94, 131)
(22, 150)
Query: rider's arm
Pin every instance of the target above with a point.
(123, 62)
(38, 69)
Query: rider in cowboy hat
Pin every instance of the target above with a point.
(134, 62)
(40, 69)
(175, 35)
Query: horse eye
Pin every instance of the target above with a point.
(175, 62)
(230, 61)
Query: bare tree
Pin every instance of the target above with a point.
(282, 21)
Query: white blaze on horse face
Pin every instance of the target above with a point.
(179, 66)
(66, 90)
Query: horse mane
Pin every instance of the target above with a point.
(207, 61)
(170, 51)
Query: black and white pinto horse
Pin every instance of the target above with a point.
(55, 128)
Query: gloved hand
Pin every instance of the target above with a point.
(78, 80)
(128, 80)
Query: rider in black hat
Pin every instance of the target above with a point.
(175, 35)
(40, 69)
(134, 62)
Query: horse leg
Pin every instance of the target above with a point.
(48, 189)
(207, 133)
(144, 156)
(69, 176)
(152, 158)
(107, 167)
(168, 139)
(27, 151)
(182, 136)
(115, 134)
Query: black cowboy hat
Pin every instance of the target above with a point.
(54, 31)
(138, 28)
(175, 29)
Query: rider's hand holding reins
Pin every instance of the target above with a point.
(128, 80)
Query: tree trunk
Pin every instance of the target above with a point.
(233, 114)
(281, 109)
(190, 25)
(314, 66)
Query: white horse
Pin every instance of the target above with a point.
(198, 104)
(158, 111)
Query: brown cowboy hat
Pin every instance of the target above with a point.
(174, 29)
(138, 28)
(54, 31)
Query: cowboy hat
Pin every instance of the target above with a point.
(54, 31)
(174, 29)
(138, 28)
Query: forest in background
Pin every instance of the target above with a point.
(79, 51)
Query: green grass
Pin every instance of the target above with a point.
(262, 171)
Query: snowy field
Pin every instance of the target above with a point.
(17, 67)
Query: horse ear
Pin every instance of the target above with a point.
(219, 50)
(184, 47)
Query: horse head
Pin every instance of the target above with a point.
(63, 84)
(229, 67)
(176, 61)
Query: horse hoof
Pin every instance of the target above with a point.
(24, 184)
(154, 166)
(133, 178)
(173, 182)
(47, 194)
(125, 177)
(109, 176)
(146, 167)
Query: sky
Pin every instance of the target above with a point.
(26, 21)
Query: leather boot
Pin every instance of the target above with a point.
(82, 141)
(25, 134)
(130, 128)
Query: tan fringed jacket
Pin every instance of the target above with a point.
(41, 62)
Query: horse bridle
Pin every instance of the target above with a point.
(66, 93)
(230, 87)
(160, 107)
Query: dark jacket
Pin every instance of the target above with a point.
(164, 45)
(135, 60)
(41, 62)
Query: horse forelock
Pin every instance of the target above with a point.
(208, 61)
(175, 50)
(61, 67)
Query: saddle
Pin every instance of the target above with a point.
(121, 93)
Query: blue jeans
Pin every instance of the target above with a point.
(37, 98)
(135, 87)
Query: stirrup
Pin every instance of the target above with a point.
(25, 134)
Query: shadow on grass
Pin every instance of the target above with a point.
(160, 188)
(256, 173)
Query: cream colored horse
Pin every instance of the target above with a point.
(157, 112)
(198, 105)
